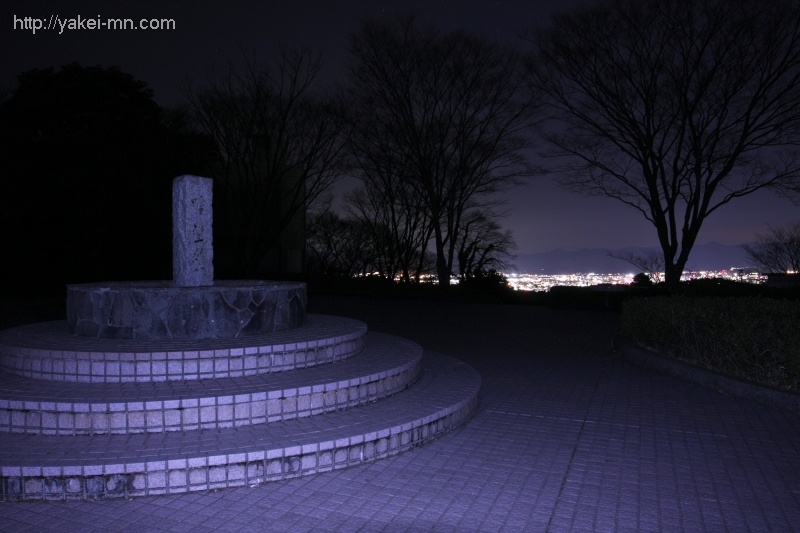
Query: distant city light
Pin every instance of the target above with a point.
(543, 282)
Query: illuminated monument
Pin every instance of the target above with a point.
(198, 384)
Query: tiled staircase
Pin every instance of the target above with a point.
(91, 417)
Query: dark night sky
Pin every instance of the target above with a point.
(209, 34)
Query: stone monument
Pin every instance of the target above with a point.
(196, 384)
(192, 221)
(193, 305)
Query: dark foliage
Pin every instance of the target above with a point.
(749, 338)
(88, 159)
(642, 280)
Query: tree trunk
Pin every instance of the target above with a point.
(673, 269)
(442, 272)
(672, 275)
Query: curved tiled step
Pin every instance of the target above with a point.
(387, 365)
(91, 466)
(47, 351)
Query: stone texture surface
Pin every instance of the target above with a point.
(192, 221)
(161, 310)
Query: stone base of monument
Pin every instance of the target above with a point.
(155, 310)
(90, 417)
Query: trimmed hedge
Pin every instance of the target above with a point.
(756, 339)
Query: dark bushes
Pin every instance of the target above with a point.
(756, 339)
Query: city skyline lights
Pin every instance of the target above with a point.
(543, 282)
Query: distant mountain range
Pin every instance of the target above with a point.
(710, 256)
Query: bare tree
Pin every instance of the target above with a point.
(777, 251)
(675, 107)
(400, 229)
(483, 245)
(649, 261)
(340, 246)
(401, 225)
(447, 112)
(280, 147)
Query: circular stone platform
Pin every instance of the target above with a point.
(157, 310)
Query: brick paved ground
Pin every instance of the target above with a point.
(567, 438)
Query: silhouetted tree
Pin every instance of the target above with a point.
(88, 160)
(399, 223)
(279, 144)
(490, 281)
(777, 251)
(483, 245)
(650, 261)
(675, 107)
(340, 246)
(642, 280)
(445, 114)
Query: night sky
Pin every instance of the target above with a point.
(209, 35)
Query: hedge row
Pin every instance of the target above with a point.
(757, 339)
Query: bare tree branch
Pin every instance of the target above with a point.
(483, 245)
(448, 111)
(674, 107)
(280, 144)
(777, 251)
(649, 262)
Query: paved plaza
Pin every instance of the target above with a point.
(567, 437)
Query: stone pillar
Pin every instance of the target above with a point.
(192, 246)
